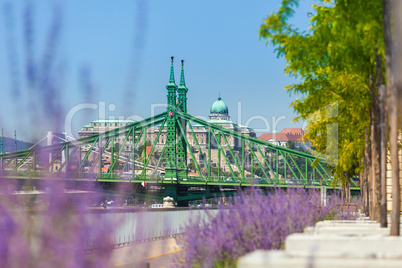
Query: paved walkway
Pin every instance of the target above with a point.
(360, 243)
(154, 254)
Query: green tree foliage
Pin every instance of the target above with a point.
(116, 148)
(191, 165)
(142, 147)
(291, 145)
(335, 61)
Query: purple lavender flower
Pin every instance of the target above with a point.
(254, 220)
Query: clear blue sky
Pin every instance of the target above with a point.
(125, 46)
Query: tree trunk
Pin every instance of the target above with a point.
(382, 143)
(366, 191)
(342, 193)
(383, 159)
(366, 180)
(370, 175)
(375, 152)
(361, 183)
(393, 104)
(361, 175)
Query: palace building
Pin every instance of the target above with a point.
(219, 115)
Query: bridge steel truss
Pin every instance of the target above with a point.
(278, 166)
(84, 157)
(165, 172)
(256, 163)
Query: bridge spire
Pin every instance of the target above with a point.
(182, 82)
(171, 78)
(181, 143)
(171, 88)
(171, 163)
(182, 90)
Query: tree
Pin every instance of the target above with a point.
(339, 63)
(291, 145)
(191, 165)
(394, 90)
(116, 148)
(142, 147)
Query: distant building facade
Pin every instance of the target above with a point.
(281, 138)
(219, 115)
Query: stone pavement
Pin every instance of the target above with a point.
(359, 243)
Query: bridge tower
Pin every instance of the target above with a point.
(171, 167)
(181, 143)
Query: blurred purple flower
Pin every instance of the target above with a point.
(55, 232)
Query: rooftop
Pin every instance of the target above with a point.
(287, 134)
(113, 121)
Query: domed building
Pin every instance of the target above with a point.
(219, 110)
(219, 115)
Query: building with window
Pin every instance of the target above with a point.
(281, 138)
(102, 125)
(219, 115)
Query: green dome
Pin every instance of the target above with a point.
(219, 107)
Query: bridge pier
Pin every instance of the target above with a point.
(171, 190)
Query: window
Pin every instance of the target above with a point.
(94, 124)
(115, 124)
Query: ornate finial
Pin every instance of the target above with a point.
(219, 98)
(182, 62)
(171, 59)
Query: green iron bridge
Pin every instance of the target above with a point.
(148, 171)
